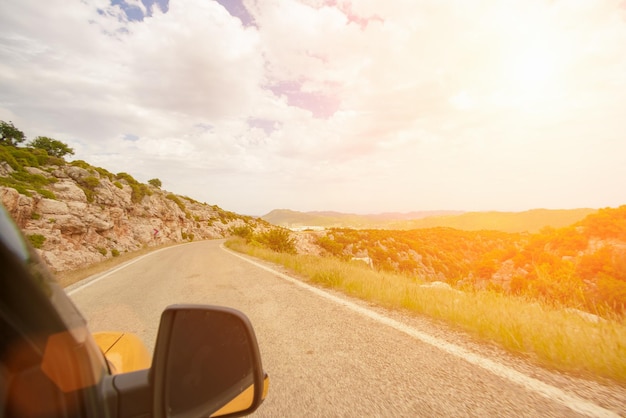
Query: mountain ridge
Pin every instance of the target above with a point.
(532, 220)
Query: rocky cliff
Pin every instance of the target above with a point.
(82, 215)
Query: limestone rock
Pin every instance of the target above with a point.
(80, 231)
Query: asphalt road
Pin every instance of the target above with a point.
(330, 356)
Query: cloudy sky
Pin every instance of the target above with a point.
(360, 106)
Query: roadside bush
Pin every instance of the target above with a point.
(279, 240)
(330, 245)
(244, 232)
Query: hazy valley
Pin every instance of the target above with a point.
(525, 221)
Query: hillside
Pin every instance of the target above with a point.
(527, 221)
(581, 266)
(294, 219)
(76, 214)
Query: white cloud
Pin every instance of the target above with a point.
(358, 106)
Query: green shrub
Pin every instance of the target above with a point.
(125, 176)
(25, 157)
(25, 183)
(115, 252)
(244, 232)
(191, 200)
(40, 155)
(81, 164)
(22, 190)
(139, 191)
(36, 240)
(279, 240)
(35, 216)
(34, 180)
(102, 251)
(55, 161)
(118, 185)
(155, 182)
(7, 155)
(46, 193)
(105, 173)
(330, 245)
(51, 146)
(91, 182)
(178, 202)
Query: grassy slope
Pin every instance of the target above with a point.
(552, 337)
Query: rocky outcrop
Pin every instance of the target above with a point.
(92, 217)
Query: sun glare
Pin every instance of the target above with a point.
(534, 68)
(533, 59)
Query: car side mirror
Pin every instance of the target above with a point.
(206, 363)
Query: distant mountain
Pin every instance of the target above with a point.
(328, 219)
(527, 221)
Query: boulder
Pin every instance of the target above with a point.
(67, 190)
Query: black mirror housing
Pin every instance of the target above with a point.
(206, 363)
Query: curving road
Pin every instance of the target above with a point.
(330, 356)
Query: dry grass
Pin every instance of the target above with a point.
(551, 336)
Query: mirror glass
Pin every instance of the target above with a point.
(209, 364)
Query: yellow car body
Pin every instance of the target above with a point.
(125, 353)
(52, 366)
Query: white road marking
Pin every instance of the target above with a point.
(570, 401)
(90, 281)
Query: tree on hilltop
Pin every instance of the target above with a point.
(155, 182)
(10, 135)
(53, 147)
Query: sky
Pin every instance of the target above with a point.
(360, 106)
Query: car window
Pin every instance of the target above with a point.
(38, 273)
(48, 365)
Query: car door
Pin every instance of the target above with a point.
(50, 365)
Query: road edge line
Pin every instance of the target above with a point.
(573, 402)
